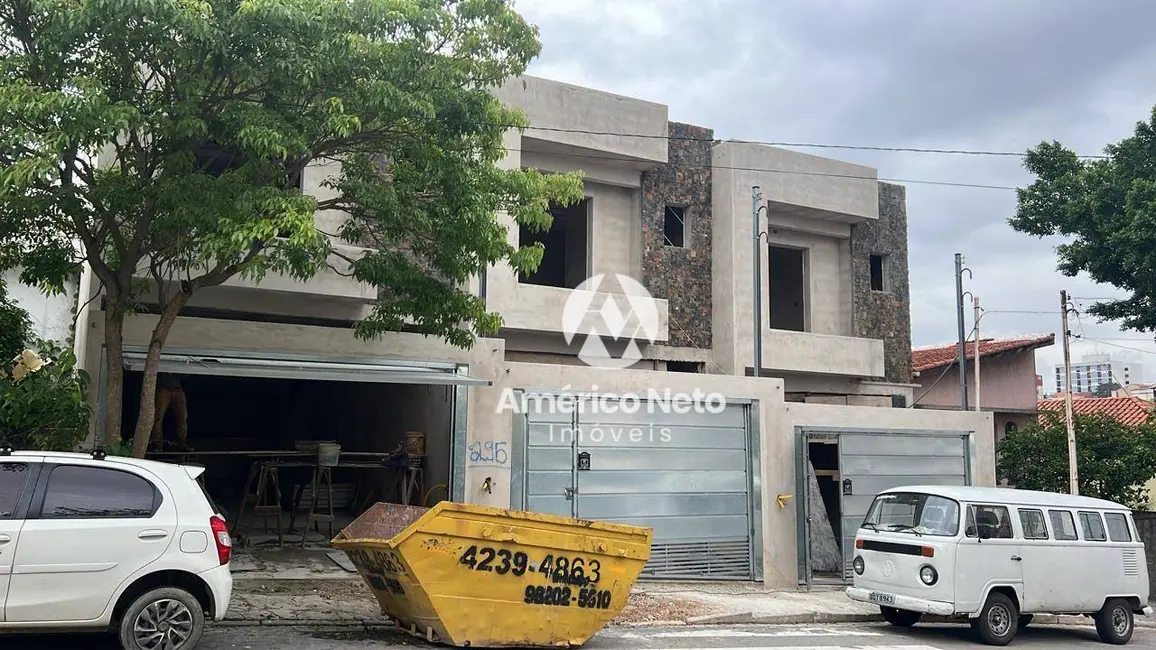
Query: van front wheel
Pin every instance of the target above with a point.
(900, 617)
(998, 620)
(1114, 623)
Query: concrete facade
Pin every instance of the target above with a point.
(636, 164)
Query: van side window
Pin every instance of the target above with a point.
(990, 522)
(1033, 524)
(1118, 530)
(1093, 527)
(1063, 526)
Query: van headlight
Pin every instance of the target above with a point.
(857, 564)
(928, 574)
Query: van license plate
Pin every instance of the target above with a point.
(882, 599)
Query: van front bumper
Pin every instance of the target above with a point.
(901, 602)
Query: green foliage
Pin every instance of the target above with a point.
(46, 409)
(1106, 390)
(1114, 460)
(108, 109)
(1107, 207)
(15, 327)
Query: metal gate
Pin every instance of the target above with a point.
(690, 476)
(873, 461)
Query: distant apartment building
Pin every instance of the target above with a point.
(1095, 370)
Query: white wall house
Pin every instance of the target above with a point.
(724, 485)
(51, 315)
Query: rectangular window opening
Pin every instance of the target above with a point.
(564, 262)
(879, 273)
(684, 366)
(788, 289)
(674, 226)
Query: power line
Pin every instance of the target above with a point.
(790, 172)
(771, 143)
(1115, 345)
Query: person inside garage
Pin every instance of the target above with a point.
(170, 396)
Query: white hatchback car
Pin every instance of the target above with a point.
(95, 543)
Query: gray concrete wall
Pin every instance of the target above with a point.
(830, 348)
(586, 119)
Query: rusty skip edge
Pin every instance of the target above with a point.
(386, 526)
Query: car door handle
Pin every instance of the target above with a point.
(152, 534)
(4, 539)
(1016, 558)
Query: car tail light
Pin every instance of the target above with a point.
(221, 537)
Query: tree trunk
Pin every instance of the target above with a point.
(148, 389)
(114, 369)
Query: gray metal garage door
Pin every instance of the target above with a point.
(872, 462)
(688, 476)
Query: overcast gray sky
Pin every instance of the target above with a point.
(967, 74)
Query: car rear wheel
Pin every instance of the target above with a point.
(166, 618)
(998, 620)
(900, 617)
(1114, 623)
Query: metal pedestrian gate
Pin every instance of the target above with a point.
(870, 462)
(692, 477)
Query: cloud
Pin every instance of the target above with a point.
(958, 74)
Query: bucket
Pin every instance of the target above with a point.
(328, 453)
(415, 443)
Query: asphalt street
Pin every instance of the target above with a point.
(713, 637)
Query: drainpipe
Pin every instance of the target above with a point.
(756, 197)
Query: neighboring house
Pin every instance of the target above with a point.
(51, 316)
(1145, 391)
(1130, 411)
(1008, 386)
(724, 485)
(1095, 370)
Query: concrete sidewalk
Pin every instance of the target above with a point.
(329, 601)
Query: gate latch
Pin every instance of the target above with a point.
(569, 494)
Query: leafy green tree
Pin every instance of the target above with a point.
(15, 327)
(1106, 390)
(1107, 207)
(166, 137)
(1114, 460)
(45, 409)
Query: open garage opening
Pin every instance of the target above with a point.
(396, 445)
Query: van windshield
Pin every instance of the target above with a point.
(919, 514)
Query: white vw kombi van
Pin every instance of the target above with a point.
(996, 556)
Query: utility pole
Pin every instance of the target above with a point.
(1073, 473)
(962, 334)
(978, 315)
(756, 198)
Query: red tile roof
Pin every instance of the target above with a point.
(1126, 410)
(937, 356)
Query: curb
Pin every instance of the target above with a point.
(750, 618)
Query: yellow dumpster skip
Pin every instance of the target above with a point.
(469, 575)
